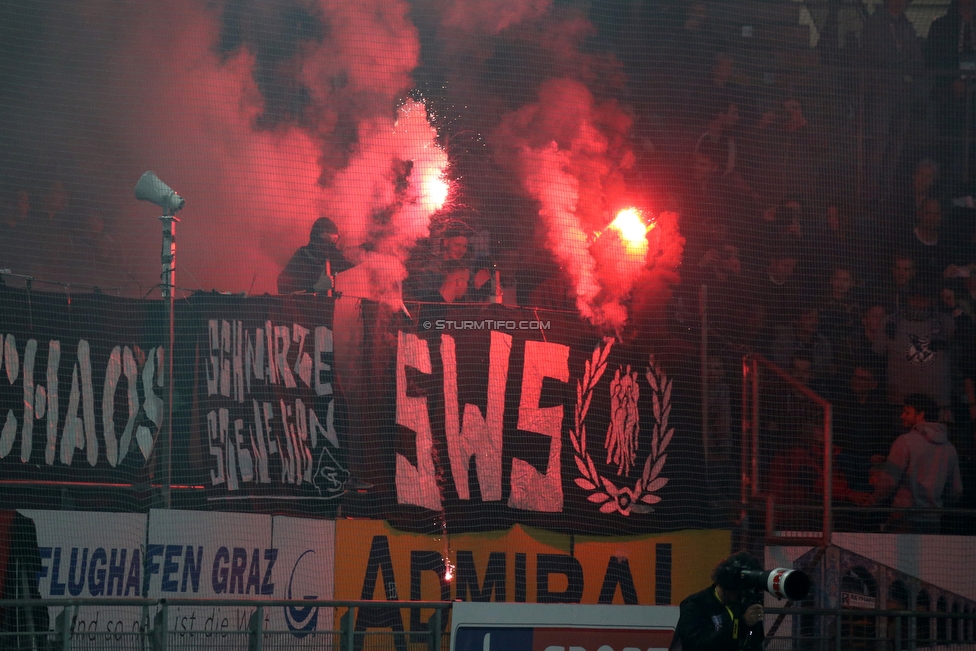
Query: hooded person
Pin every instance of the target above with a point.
(725, 616)
(921, 465)
(312, 266)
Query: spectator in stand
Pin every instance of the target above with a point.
(451, 236)
(457, 278)
(966, 364)
(720, 142)
(708, 198)
(721, 448)
(788, 221)
(861, 421)
(906, 202)
(805, 339)
(720, 268)
(835, 241)
(931, 251)
(708, 95)
(307, 271)
(894, 290)
(798, 478)
(891, 51)
(840, 314)
(782, 286)
(950, 52)
(749, 329)
(917, 342)
(786, 403)
(783, 223)
(858, 349)
(449, 240)
(958, 302)
(780, 152)
(921, 465)
(685, 50)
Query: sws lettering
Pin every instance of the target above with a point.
(478, 435)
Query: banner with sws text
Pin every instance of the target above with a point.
(503, 415)
(470, 417)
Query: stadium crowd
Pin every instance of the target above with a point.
(862, 290)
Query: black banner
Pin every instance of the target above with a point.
(483, 414)
(82, 387)
(265, 408)
(504, 415)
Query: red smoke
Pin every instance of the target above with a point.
(569, 153)
(385, 195)
(265, 114)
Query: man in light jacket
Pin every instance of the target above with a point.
(921, 465)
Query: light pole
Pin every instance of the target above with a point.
(151, 188)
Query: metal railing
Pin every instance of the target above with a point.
(763, 505)
(841, 629)
(751, 423)
(156, 628)
(810, 629)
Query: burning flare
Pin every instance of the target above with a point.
(632, 231)
(434, 190)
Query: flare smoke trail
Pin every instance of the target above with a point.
(265, 114)
(569, 152)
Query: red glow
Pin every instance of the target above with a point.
(435, 191)
(448, 570)
(630, 226)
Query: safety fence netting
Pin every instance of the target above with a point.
(449, 270)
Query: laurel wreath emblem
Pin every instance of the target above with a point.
(623, 499)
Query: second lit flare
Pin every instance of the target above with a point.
(632, 230)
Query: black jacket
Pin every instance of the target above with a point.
(306, 267)
(705, 625)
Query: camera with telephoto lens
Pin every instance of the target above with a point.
(782, 583)
(742, 573)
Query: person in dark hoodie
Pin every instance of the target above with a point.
(313, 266)
(921, 465)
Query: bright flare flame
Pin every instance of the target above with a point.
(435, 191)
(448, 570)
(632, 230)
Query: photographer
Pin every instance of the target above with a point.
(725, 616)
